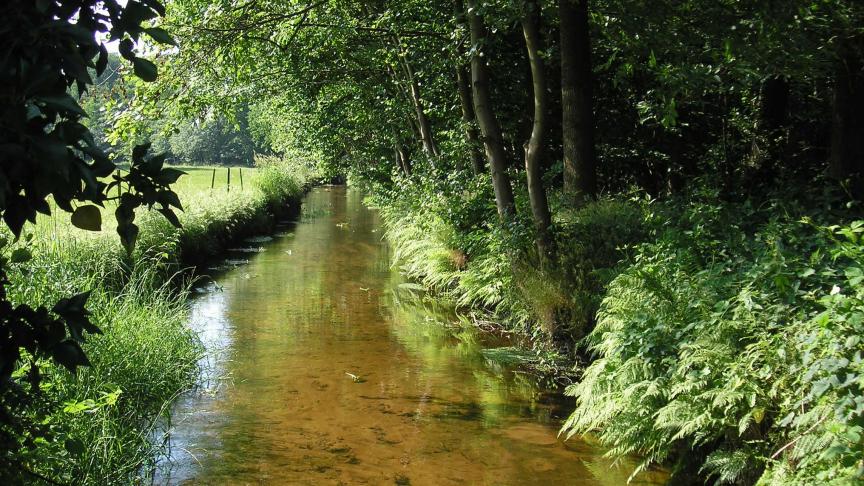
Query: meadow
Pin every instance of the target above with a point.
(97, 426)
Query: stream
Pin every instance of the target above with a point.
(324, 367)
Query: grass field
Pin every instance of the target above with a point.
(201, 177)
(192, 188)
(99, 423)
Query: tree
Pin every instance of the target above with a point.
(577, 113)
(492, 139)
(47, 152)
(534, 148)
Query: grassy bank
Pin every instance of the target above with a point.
(721, 338)
(96, 426)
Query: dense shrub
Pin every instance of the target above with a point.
(729, 345)
(446, 236)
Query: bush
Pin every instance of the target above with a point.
(446, 236)
(729, 346)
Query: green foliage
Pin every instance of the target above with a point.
(48, 156)
(705, 339)
(98, 426)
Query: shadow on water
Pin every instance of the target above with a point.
(319, 371)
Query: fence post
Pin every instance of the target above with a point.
(213, 179)
(229, 178)
(241, 178)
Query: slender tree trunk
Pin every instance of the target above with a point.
(463, 86)
(404, 93)
(468, 118)
(493, 142)
(847, 134)
(577, 123)
(414, 90)
(534, 148)
(404, 160)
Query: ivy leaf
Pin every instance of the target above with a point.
(144, 69)
(87, 218)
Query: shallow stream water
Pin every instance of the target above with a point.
(323, 368)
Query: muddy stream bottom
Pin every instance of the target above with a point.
(323, 369)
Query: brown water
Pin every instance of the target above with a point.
(279, 407)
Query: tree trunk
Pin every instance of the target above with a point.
(414, 90)
(404, 161)
(468, 118)
(493, 142)
(534, 148)
(463, 86)
(577, 116)
(847, 134)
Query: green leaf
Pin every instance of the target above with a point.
(144, 69)
(160, 36)
(69, 354)
(170, 176)
(20, 255)
(139, 151)
(74, 446)
(128, 236)
(87, 218)
(62, 103)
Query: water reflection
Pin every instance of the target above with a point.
(322, 372)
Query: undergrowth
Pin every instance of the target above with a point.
(724, 337)
(729, 345)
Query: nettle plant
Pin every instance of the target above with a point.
(51, 48)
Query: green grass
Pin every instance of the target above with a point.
(96, 427)
(198, 178)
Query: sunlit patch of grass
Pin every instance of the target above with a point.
(100, 421)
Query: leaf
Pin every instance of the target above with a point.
(144, 69)
(139, 151)
(170, 216)
(20, 255)
(74, 446)
(125, 49)
(136, 12)
(160, 36)
(102, 61)
(69, 354)
(155, 5)
(170, 176)
(128, 236)
(87, 218)
(62, 103)
(170, 198)
(758, 414)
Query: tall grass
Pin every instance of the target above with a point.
(452, 244)
(96, 427)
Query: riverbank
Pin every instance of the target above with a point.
(95, 427)
(714, 336)
(333, 370)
